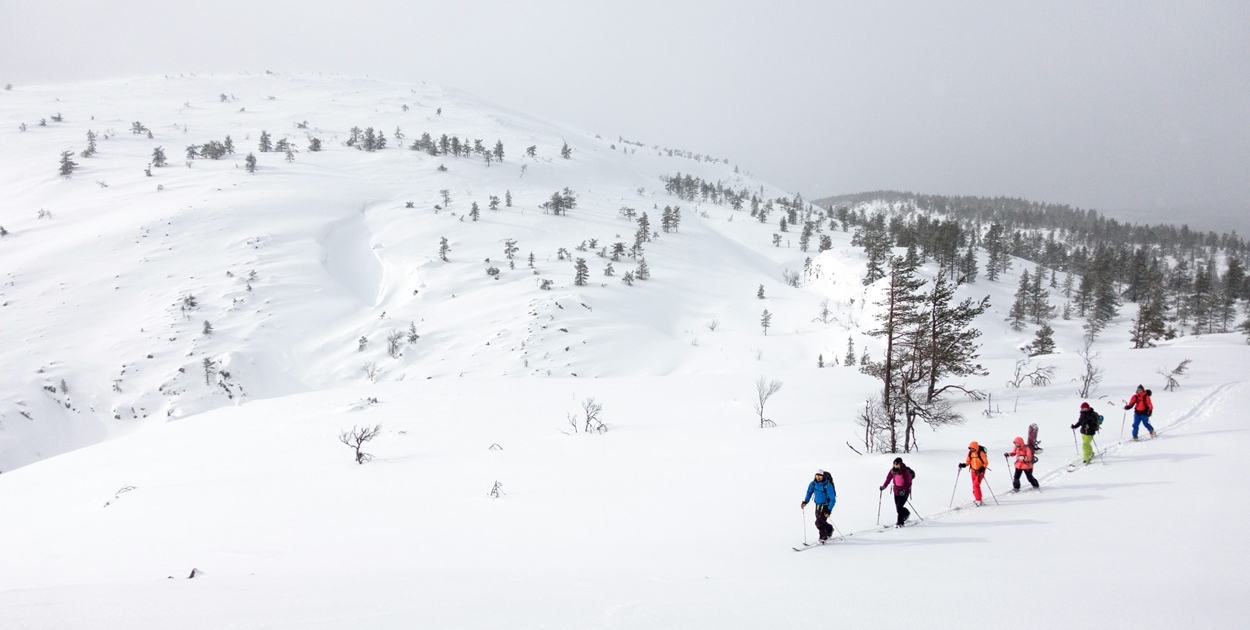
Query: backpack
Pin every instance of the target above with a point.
(829, 480)
(1099, 425)
(1034, 443)
(985, 458)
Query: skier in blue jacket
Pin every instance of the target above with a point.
(822, 489)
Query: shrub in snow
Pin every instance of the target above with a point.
(356, 439)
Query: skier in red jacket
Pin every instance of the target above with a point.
(1142, 408)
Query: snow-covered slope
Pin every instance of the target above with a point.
(293, 264)
(682, 515)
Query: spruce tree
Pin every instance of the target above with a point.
(67, 164)
(643, 272)
(581, 273)
(266, 145)
(1043, 341)
(1020, 307)
(90, 150)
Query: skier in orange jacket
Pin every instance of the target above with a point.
(979, 463)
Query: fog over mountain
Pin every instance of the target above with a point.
(1135, 109)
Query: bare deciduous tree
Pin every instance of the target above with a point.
(371, 371)
(1171, 383)
(1089, 379)
(356, 439)
(592, 411)
(1040, 376)
(764, 389)
(393, 342)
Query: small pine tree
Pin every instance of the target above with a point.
(158, 157)
(582, 272)
(250, 162)
(266, 145)
(643, 272)
(759, 293)
(208, 327)
(443, 249)
(507, 198)
(474, 211)
(1020, 308)
(565, 151)
(850, 351)
(314, 145)
(90, 150)
(228, 145)
(67, 164)
(1043, 342)
(766, 320)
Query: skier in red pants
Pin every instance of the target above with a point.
(979, 463)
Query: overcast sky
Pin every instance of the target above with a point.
(1139, 109)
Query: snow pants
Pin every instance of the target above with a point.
(1087, 447)
(977, 477)
(1028, 472)
(1140, 419)
(822, 521)
(900, 506)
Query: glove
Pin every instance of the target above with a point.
(962, 466)
(1006, 454)
(1127, 407)
(803, 505)
(882, 488)
(1075, 426)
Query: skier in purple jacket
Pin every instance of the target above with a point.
(900, 477)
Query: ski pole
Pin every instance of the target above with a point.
(1074, 444)
(1123, 417)
(835, 528)
(986, 479)
(880, 495)
(955, 488)
(913, 508)
(1097, 452)
(805, 525)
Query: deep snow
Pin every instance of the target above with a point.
(681, 515)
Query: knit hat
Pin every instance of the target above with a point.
(1085, 406)
(898, 460)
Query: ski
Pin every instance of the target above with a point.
(807, 546)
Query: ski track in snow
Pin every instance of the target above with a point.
(1198, 412)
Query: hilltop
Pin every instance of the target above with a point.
(162, 472)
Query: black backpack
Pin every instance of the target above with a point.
(829, 480)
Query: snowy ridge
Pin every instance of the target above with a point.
(680, 515)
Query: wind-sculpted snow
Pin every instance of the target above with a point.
(350, 260)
